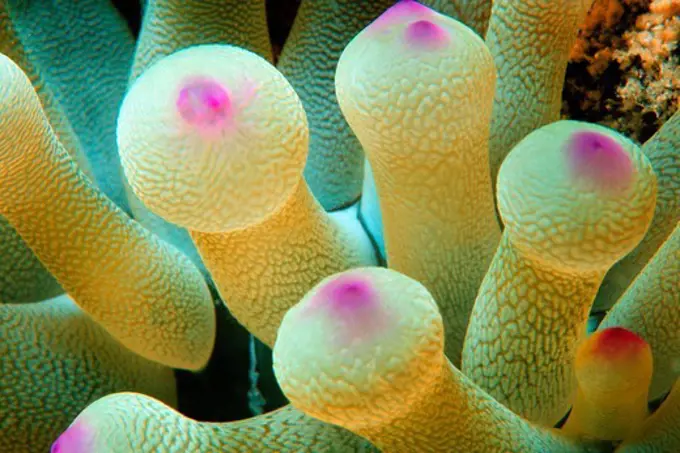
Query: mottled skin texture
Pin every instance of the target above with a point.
(22, 277)
(263, 270)
(133, 423)
(86, 65)
(227, 175)
(663, 151)
(263, 237)
(563, 230)
(613, 370)
(321, 31)
(403, 84)
(172, 25)
(144, 292)
(374, 364)
(660, 432)
(54, 361)
(530, 42)
(651, 308)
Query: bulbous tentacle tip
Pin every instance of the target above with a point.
(600, 161)
(612, 360)
(204, 103)
(76, 439)
(427, 34)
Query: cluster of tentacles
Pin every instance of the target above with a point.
(132, 178)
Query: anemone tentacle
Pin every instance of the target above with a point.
(651, 308)
(613, 370)
(403, 84)
(364, 350)
(575, 198)
(143, 291)
(530, 41)
(663, 151)
(660, 432)
(55, 360)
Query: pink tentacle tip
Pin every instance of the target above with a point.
(402, 11)
(348, 295)
(76, 439)
(425, 33)
(204, 103)
(352, 308)
(600, 160)
(615, 343)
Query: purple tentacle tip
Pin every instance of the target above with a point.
(75, 439)
(426, 33)
(600, 160)
(204, 103)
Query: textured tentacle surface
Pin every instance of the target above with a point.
(144, 292)
(651, 308)
(403, 83)
(530, 41)
(575, 198)
(172, 25)
(22, 277)
(321, 31)
(663, 151)
(230, 141)
(613, 370)
(660, 433)
(54, 361)
(133, 423)
(83, 50)
(265, 269)
(11, 45)
(364, 350)
(473, 13)
(261, 233)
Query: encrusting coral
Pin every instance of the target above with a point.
(625, 66)
(218, 145)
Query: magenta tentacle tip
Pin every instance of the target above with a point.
(348, 295)
(353, 305)
(426, 33)
(74, 440)
(600, 160)
(204, 103)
